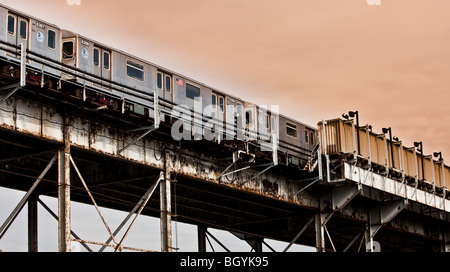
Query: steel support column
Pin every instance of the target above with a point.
(201, 231)
(166, 211)
(32, 224)
(446, 238)
(320, 231)
(257, 244)
(64, 191)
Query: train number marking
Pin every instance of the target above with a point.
(40, 25)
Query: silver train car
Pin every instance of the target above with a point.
(97, 73)
(41, 37)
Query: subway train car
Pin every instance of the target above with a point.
(116, 80)
(297, 140)
(41, 37)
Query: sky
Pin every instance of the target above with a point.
(316, 59)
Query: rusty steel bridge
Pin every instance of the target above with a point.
(58, 145)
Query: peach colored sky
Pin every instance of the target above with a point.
(314, 58)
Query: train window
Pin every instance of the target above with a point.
(23, 29)
(51, 39)
(106, 60)
(221, 104)
(267, 121)
(168, 83)
(312, 137)
(291, 129)
(192, 91)
(96, 57)
(248, 117)
(274, 127)
(159, 80)
(67, 50)
(306, 136)
(214, 101)
(11, 24)
(135, 70)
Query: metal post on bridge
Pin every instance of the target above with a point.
(64, 191)
(166, 210)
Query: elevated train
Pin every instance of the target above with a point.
(122, 82)
(115, 80)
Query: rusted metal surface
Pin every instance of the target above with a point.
(395, 187)
(30, 117)
(43, 121)
(321, 200)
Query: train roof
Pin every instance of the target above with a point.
(28, 16)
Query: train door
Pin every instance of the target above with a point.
(263, 123)
(274, 124)
(165, 89)
(221, 114)
(218, 105)
(251, 124)
(240, 120)
(218, 111)
(230, 113)
(17, 29)
(164, 85)
(102, 64)
(310, 138)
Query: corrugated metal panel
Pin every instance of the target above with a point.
(381, 150)
(447, 176)
(364, 142)
(338, 136)
(428, 169)
(410, 163)
(438, 174)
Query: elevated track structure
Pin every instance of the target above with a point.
(57, 143)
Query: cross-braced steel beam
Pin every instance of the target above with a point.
(22, 202)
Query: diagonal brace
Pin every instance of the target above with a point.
(306, 186)
(25, 198)
(299, 234)
(15, 86)
(56, 217)
(149, 129)
(92, 198)
(269, 165)
(141, 204)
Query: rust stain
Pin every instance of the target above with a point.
(270, 188)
